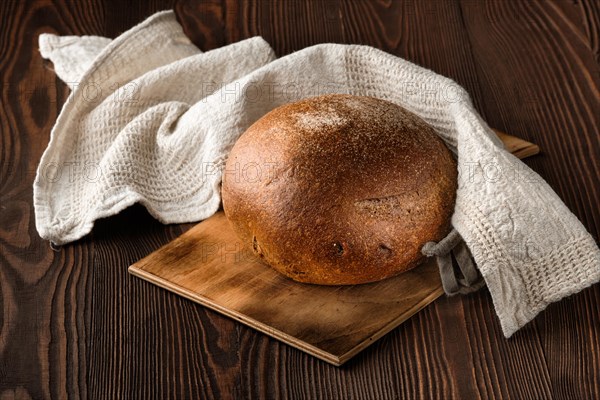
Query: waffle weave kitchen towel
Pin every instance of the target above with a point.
(151, 119)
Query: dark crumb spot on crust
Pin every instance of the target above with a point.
(339, 249)
(256, 247)
(296, 272)
(384, 250)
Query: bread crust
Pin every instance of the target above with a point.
(340, 189)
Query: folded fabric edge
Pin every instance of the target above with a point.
(196, 212)
(71, 55)
(48, 42)
(581, 273)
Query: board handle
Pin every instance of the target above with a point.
(519, 147)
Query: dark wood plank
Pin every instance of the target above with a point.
(551, 49)
(557, 104)
(43, 293)
(148, 342)
(203, 22)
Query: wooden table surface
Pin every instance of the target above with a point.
(73, 323)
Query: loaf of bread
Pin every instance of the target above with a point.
(339, 189)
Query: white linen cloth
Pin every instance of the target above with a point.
(151, 119)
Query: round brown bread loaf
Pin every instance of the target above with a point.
(339, 189)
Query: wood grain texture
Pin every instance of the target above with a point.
(75, 324)
(208, 264)
(519, 147)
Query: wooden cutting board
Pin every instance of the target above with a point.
(209, 265)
